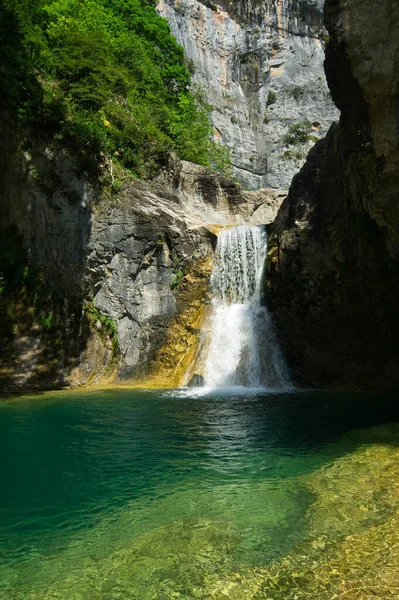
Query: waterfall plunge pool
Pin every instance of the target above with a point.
(139, 495)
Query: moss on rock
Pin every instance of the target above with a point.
(183, 338)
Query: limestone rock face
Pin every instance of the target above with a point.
(135, 257)
(260, 66)
(137, 251)
(334, 257)
(141, 250)
(48, 198)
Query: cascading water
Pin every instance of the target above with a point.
(243, 349)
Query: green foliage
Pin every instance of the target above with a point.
(20, 41)
(210, 5)
(108, 326)
(297, 93)
(189, 126)
(287, 155)
(219, 158)
(271, 97)
(105, 77)
(177, 279)
(178, 271)
(46, 321)
(190, 66)
(325, 38)
(296, 155)
(160, 241)
(298, 133)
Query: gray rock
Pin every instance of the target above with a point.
(334, 276)
(50, 201)
(137, 246)
(260, 67)
(124, 253)
(196, 381)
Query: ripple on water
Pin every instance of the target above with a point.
(146, 496)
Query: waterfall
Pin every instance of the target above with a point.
(243, 349)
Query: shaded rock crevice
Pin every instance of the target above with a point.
(334, 282)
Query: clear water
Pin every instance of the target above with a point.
(121, 494)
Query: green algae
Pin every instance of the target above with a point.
(168, 548)
(346, 547)
(165, 496)
(351, 546)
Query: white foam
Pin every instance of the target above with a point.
(243, 351)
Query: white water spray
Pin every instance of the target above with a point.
(243, 349)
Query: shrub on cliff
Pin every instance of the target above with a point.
(104, 77)
(299, 133)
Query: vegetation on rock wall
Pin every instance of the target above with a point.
(47, 340)
(13, 267)
(103, 323)
(106, 78)
(299, 133)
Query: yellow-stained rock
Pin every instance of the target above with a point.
(173, 360)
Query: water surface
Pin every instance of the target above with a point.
(126, 494)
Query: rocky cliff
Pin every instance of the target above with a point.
(114, 268)
(334, 282)
(260, 66)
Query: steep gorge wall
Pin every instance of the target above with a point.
(127, 264)
(334, 283)
(260, 66)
